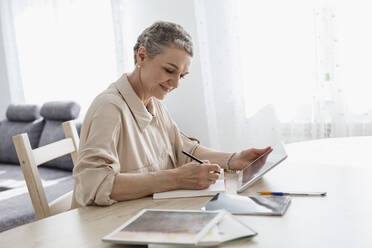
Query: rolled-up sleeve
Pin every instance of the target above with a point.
(98, 162)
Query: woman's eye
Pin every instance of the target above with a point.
(169, 71)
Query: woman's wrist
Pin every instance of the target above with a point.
(175, 178)
(165, 180)
(229, 163)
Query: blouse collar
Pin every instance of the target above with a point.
(143, 115)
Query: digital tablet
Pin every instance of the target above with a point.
(249, 205)
(254, 171)
(163, 226)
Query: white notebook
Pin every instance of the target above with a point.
(214, 189)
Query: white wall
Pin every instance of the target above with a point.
(186, 104)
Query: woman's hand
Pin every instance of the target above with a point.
(245, 157)
(197, 176)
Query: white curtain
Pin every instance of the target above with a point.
(308, 59)
(293, 69)
(66, 49)
(10, 71)
(221, 76)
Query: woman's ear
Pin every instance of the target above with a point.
(141, 55)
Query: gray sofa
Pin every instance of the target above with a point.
(43, 126)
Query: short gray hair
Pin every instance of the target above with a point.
(162, 35)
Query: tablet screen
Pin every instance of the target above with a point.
(263, 164)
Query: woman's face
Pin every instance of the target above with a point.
(161, 74)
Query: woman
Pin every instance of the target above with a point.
(129, 146)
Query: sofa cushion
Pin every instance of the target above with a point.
(22, 112)
(15, 203)
(55, 113)
(52, 132)
(8, 129)
(61, 111)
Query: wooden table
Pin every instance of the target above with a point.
(340, 166)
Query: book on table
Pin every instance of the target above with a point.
(160, 227)
(213, 189)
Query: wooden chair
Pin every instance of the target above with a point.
(31, 158)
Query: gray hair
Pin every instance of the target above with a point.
(162, 35)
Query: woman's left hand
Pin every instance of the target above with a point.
(245, 157)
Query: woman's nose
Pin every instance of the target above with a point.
(175, 82)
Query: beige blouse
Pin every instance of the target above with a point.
(120, 135)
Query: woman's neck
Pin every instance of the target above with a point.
(135, 81)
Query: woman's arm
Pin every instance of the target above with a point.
(128, 186)
(215, 157)
(233, 161)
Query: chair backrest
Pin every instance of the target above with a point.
(30, 158)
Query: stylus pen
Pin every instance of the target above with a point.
(192, 157)
(196, 159)
(294, 193)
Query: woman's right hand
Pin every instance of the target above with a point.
(197, 176)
